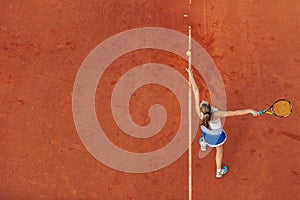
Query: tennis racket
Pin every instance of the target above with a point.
(280, 108)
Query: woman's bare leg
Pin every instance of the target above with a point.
(219, 156)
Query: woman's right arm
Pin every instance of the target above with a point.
(219, 114)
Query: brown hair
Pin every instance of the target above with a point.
(206, 110)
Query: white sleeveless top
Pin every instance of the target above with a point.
(215, 126)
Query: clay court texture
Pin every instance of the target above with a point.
(63, 128)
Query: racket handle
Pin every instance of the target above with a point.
(260, 112)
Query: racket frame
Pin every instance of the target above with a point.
(271, 112)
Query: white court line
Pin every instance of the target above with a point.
(190, 117)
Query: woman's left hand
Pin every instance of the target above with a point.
(189, 71)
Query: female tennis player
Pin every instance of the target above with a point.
(211, 127)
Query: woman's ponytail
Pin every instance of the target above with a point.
(206, 110)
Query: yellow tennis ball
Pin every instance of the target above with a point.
(188, 53)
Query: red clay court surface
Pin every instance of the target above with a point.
(255, 45)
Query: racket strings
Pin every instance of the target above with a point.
(282, 108)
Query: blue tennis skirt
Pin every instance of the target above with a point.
(214, 140)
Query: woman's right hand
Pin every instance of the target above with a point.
(253, 112)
